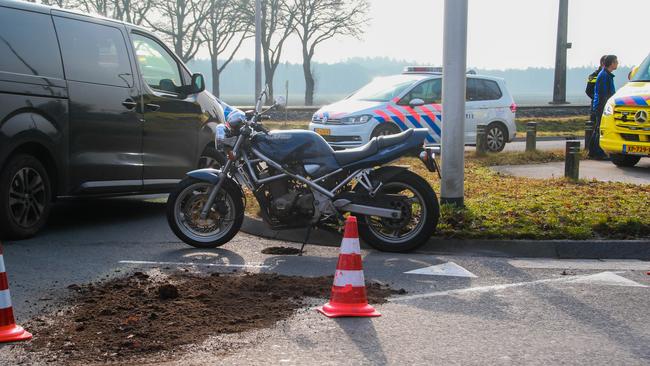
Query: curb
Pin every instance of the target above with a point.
(563, 249)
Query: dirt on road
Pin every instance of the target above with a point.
(126, 318)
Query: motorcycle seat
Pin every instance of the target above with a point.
(347, 156)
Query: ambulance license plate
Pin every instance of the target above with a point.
(323, 131)
(641, 150)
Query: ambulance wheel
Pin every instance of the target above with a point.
(625, 160)
(385, 129)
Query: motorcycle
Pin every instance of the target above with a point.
(299, 181)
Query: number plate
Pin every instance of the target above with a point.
(322, 131)
(633, 149)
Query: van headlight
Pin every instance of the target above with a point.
(609, 109)
(356, 120)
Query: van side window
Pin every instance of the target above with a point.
(94, 53)
(28, 44)
(481, 89)
(429, 91)
(159, 69)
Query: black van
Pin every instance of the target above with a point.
(91, 107)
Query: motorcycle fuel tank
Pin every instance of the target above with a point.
(305, 148)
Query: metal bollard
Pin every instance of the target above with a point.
(589, 131)
(572, 160)
(531, 136)
(481, 140)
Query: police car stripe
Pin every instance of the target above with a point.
(432, 125)
(383, 115)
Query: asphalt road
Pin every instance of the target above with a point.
(507, 312)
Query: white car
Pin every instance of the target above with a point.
(391, 104)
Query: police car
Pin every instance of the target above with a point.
(625, 124)
(390, 104)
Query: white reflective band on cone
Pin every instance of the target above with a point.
(5, 299)
(350, 246)
(2, 264)
(354, 278)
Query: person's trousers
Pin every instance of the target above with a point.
(594, 144)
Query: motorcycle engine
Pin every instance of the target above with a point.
(291, 202)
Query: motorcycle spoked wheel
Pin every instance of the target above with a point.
(224, 219)
(418, 223)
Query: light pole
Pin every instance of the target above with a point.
(559, 84)
(454, 65)
(258, 48)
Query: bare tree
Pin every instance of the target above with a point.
(131, 11)
(180, 22)
(278, 18)
(320, 20)
(226, 27)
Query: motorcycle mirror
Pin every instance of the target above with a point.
(280, 101)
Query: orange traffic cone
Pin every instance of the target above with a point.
(349, 289)
(9, 331)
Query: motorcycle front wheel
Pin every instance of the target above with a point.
(223, 221)
(419, 221)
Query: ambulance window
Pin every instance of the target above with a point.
(429, 91)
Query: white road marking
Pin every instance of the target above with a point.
(481, 289)
(446, 269)
(607, 278)
(195, 264)
(588, 264)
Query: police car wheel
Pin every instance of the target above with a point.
(496, 137)
(385, 129)
(211, 158)
(625, 160)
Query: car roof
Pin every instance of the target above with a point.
(24, 5)
(469, 76)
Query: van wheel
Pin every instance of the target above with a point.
(25, 197)
(625, 160)
(496, 137)
(211, 158)
(385, 129)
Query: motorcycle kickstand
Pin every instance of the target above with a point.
(305, 241)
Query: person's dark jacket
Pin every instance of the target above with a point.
(603, 90)
(591, 83)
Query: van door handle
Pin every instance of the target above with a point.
(152, 107)
(129, 103)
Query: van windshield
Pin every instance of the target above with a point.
(383, 89)
(643, 73)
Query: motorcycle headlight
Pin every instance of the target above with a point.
(356, 120)
(609, 109)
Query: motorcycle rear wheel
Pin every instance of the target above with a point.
(389, 235)
(223, 222)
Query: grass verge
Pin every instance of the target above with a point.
(506, 207)
(553, 126)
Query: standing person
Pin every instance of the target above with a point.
(603, 90)
(589, 90)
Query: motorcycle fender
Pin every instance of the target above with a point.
(386, 173)
(209, 175)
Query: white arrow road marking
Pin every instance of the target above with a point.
(481, 289)
(595, 264)
(607, 278)
(446, 269)
(196, 264)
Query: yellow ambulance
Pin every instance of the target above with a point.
(625, 124)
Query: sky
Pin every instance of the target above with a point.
(501, 33)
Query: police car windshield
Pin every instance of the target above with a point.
(643, 73)
(383, 89)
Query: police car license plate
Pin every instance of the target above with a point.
(322, 131)
(632, 149)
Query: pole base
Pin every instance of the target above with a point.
(455, 201)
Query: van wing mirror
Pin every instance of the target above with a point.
(198, 83)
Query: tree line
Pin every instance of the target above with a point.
(221, 26)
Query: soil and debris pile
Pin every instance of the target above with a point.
(139, 315)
